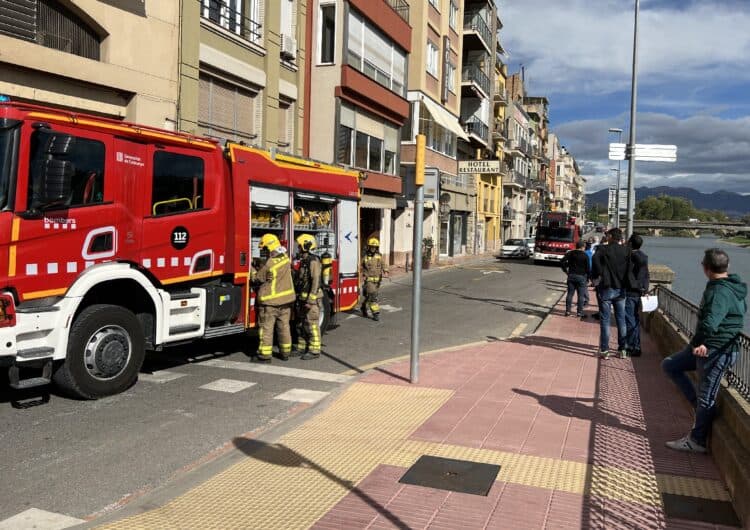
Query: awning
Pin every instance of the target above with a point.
(377, 202)
(444, 118)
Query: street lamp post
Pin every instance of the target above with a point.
(631, 143)
(617, 191)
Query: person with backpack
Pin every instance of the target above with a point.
(610, 271)
(309, 294)
(638, 280)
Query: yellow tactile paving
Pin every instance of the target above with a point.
(292, 483)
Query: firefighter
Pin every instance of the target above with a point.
(275, 297)
(307, 285)
(373, 270)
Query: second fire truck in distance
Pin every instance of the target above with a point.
(556, 234)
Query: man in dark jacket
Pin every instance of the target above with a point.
(638, 280)
(610, 268)
(576, 265)
(713, 348)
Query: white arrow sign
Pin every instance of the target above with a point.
(645, 152)
(617, 151)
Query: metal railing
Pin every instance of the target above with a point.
(473, 74)
(220, 13)
(683, 314)
(500, 92)
(500, 131)
(477, 127)
(475, 22)
(400, 7)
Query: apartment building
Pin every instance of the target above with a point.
(91, 56)
(357, 91)
(242, 69)
(434, 94)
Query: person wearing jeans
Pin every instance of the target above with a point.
(713, 348)
(576, 265)
(638, 281)
(610, 270)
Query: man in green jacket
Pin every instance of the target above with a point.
(713, 348)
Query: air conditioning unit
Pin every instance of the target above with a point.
(288, 47)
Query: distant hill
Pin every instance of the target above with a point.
(729, 202)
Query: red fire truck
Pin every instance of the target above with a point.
(556, 233)
(117, 239)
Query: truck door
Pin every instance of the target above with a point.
(348, 264)
(184, 226)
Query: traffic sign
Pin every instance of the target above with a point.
(617, 151)
(645, 152)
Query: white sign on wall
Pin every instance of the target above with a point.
(479, 166)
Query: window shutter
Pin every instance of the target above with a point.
(244, 112)
(291, 121)
(293, 22)
(18, 19)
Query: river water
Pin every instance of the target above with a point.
(683, 255)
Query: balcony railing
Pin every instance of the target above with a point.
(515, 177)
(475, 22)
(400, 7)
(220, 13)
(471, 73)
(477, 127)
(500, 131)
(500, 94)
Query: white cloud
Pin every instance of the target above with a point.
(583, 46)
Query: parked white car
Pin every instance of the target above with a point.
(514, 248)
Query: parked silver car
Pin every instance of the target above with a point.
(514, 248)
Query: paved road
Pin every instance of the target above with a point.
(80, 457)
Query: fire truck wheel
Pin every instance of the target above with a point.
(106, 349)
(325, 314)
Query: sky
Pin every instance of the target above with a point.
(693, 83)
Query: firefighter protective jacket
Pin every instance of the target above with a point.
(307, 279)
(275, 278)
(373, 267)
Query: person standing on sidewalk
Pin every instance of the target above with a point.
(275, 296)
(638, 281)
(610, 268)
(713, 348)
(309, 294)
(373, 270)
(576, 265)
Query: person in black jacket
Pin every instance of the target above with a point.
(576, 265)
(610, 268)
(638, 280)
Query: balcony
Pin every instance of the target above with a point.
(473, 22)
(401, 8)
(472, 74)
(514, 178)
(219, 13)
(477, 128)
(499, 132)
(500, 95)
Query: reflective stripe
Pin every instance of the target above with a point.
(373, 279)
(274, 270)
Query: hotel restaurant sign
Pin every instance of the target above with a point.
(479, 166)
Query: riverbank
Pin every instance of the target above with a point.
(741, 241)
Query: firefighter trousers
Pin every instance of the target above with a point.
(308, 329)
(275, 317)
(370, 291)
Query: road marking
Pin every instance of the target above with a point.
(301, 395)
(160, 376)
(518, 329)
(39, 520)
(531, 317)
(227, 385)
(276, 370)
(485, 273)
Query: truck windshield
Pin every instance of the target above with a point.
(554, 234)
(6, 157)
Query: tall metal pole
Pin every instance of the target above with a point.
(631, 142)
(416, 293)
(617, 197)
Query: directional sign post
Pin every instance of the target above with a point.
(645, 152)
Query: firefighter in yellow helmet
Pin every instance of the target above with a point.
(373, 270)
(274, 297)
(307, 285)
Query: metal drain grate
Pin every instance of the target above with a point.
(697, 509)
(453, 475)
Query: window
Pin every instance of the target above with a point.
(227, 111)
(230, 15)
(434, 3)
(360, 153)
(375, 162)
(85, 159)
(327, 43)
(373, 54)
(433, 58)
(438, 138)
(366, 143)
(178, 183)
(344, 145)
(286, 124)
(453, 16)
(451, 77)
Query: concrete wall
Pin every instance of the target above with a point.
(135, 78)
(730, 439)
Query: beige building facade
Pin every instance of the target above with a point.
(91, 56)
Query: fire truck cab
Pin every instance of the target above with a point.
(117, 239)
(556, 234)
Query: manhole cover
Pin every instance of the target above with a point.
(697, 509)
(452, 475)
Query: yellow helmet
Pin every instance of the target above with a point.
(373, 242)
(306, 242)
(270, 241)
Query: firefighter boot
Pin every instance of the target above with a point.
(376, 316)
(310, 356)
(363, 309)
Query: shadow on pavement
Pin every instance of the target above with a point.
(280, 455)
(556, 343)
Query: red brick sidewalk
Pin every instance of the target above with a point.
(586, 437)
